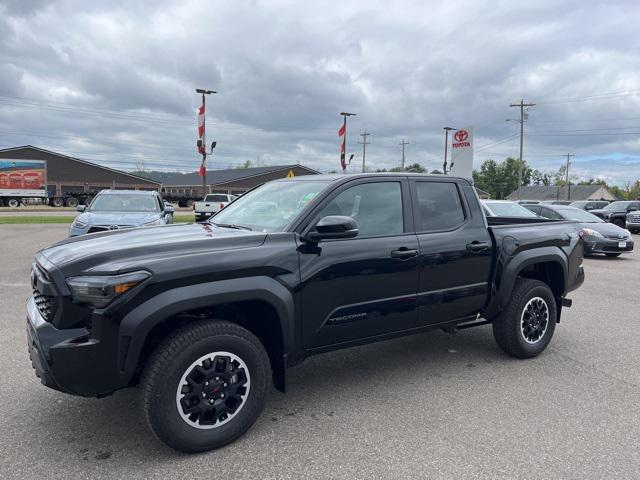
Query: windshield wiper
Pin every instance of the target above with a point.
(232, 225)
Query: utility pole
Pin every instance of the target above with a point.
(402, 144)
(566, 176)
(364, 144)
(202, 143)
(521, 105)
(446, 148)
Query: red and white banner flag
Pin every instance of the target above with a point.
(342, 133)
(202, 144)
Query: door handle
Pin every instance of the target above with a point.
(403, 253)
(477, 246)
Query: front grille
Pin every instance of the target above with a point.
(107, 228)
(634, 218)
(46, 305)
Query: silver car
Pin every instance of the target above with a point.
(118, 209)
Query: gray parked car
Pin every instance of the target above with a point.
(598, 235)
(117, 209)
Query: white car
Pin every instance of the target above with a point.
(212, 204)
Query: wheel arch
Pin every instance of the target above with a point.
(548, 264)
(260, 304)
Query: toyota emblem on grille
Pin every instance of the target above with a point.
(113, 227)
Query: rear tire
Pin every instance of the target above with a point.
(526, 326)
(612, 254)
(192, 400)
(71, 202)
(13, 203)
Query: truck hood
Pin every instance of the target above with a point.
(121, 250)
(118, 218)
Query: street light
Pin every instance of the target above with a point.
(446, 147)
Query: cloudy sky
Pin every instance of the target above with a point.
(113, 81)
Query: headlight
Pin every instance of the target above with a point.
(99, 291)
(154, 222)
(587, 232)
(79, 224)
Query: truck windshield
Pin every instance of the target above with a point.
(124, 203)
(617, 206)
(271, 206)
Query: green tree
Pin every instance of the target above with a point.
(501, 178)
(414, 168)
(541, 178)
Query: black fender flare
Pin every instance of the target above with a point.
(137, 324)
(525, 259)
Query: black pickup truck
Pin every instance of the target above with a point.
(202, 317)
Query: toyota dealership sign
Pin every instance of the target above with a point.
(462, 152)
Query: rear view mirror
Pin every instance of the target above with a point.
(333, 227)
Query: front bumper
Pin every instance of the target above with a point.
(68, 360)
(606, 245)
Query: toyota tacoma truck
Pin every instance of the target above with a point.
(203, 317)
(212, 204)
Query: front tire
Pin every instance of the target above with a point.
(526, 326)
(205, 385)
(618, 222)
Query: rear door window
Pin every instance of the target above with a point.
(439, 206)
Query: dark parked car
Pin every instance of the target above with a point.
(633, 222)
(590, 204)
(121, 209)
(203, 316)
(616, 212)
(598, 235)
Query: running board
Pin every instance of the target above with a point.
(466, 325)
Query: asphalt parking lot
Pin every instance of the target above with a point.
(428, 406)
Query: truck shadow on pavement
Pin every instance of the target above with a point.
(114, 427)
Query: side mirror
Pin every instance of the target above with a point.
(333, 227)
(169, 209)
(81, 208)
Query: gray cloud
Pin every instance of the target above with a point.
(114, 81)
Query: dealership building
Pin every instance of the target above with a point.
(68, 176)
